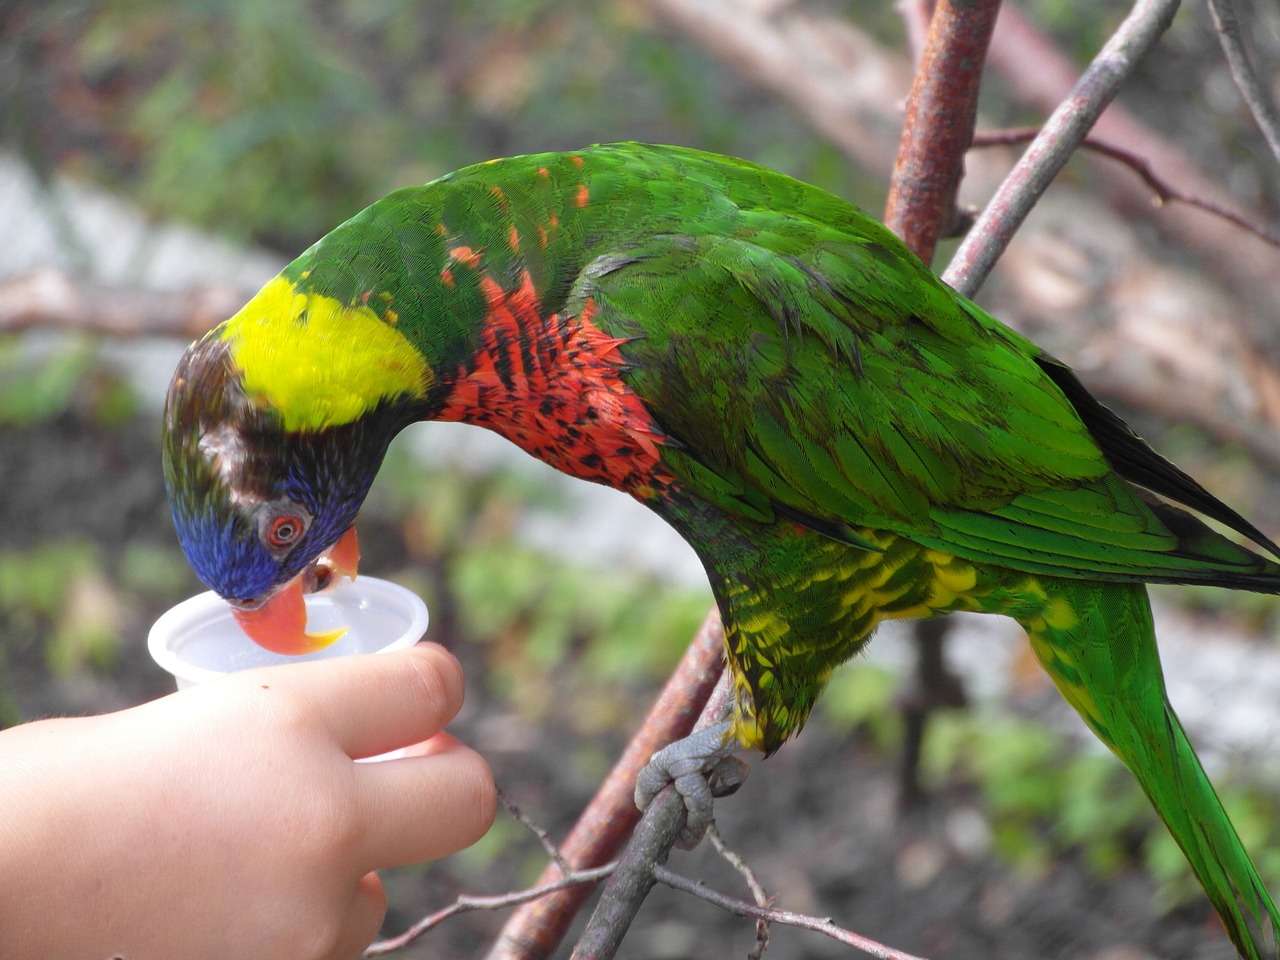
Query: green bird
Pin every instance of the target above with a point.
(841, 437)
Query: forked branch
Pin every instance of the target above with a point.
(1061, 135)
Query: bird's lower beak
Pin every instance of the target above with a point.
(279, 623)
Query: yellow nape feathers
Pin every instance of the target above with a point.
(319, 362)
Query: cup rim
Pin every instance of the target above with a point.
(202, 605)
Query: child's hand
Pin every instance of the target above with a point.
(229, 820)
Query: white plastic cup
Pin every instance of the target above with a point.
(199, 640)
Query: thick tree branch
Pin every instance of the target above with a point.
(921, 206)
(916, 16)
(1064, 131)
(939, 123)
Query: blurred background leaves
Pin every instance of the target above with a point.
(271, 122)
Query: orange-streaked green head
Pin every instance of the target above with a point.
(275, 425)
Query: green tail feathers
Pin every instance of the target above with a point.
(1103, 659)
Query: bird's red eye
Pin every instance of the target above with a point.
(284, 531)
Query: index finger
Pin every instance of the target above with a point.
(376, 702)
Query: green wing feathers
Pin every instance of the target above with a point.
(858, 387)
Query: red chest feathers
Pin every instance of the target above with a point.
(552, 386)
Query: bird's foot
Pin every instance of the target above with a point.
(701, 767)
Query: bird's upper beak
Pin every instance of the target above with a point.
(279, 623)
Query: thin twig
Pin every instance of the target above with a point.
(758, 894)
(761, 911)
(467, 903)
(741, 908)
(1242, 72)
(1164, 191)
(741, 866)
(1064, 131)
(1040, 74)
(537, 830)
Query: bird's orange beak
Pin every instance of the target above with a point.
(280, 623)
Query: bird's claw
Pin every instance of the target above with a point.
(701, 768)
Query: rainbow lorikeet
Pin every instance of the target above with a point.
(841, 437)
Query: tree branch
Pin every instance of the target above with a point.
(467, 903)
(48, 298)
(540, 832)
(1040, 75)
(921, 205)
(1061, 135)
(939, 124)
(748, 875)
(649, 847)
(916, 16)
(761, 910)
(537, 928)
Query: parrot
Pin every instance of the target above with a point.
(840, 437)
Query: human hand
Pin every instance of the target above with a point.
(229, 820)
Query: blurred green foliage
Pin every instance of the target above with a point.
(58, 603)
(1041, 798)
(1046, 799)
(40, 383)
(646, 623)
(1044, 795)
(55, 598)
(274, 122)
(862, 698)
